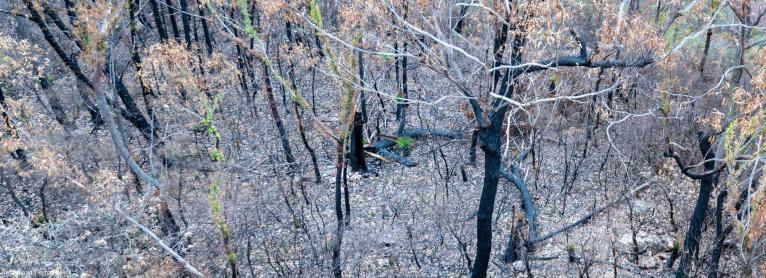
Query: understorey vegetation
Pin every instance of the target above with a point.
(389, 138)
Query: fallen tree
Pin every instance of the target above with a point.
(385, 142)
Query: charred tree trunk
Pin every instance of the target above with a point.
(72, 64)
(527, 202)
(53, 16)
(277, 119)
(299, 116)
(70, 11)
(356, 150)
(336, 267)
(472, 149)
(133, 114)
(401, 107)
(461, 19)
(706, 49)
(720, 236)
(312, 153)
(136, 57)
(173, 21)
(490, 142)
(185, 18)
(58, 111)
(205, 28)
(157, 12)
(691, 242)
(362, 95)
(346, 197)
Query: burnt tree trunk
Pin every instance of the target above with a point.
(185, 18)
(298, 115)
(277, 119)
(356, 150)
(346, 197)
(720, 236)
(691, 242)
(173, 21)
(205, 28)
(339, 165)
(362, 95)
(72, 64)
(706, 49)
(312, 153)
(136, 57)
(133, 114)
(461, 19)
(71, 11)
(489, 141)
(157, 12)
(401, 107)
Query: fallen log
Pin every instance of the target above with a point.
(433, 132)
(381, 147)
(396, 157)
(590, 215)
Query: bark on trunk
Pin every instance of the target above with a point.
(705, 51)
(490, 144)
(720, 236)
(401, 107)
(173, 21)
(136, 57)
(312, 153)
(58, 110)
(489, 141)
(336, 267)
(185, 18)
(356, 151)
(277, 119)
(691, 242)
(205, 29)
(72, 64)
(157, 12)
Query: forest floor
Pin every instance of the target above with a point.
(405, 221)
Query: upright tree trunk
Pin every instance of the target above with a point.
(136, 57)
(347, 202)
(277, 119)
(356, 151)
(312, 153)
(339, 165)
(490, 141)
(71, 11)
(720, 236)
(691, 242)
(362, 95)
(706, 49)
(461, 18)
(185, 18)
(490, 144)
(205, 29)
(158, 20)
(58, 110)
(401, 108)
(173, 21)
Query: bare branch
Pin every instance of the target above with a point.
(189, 268)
